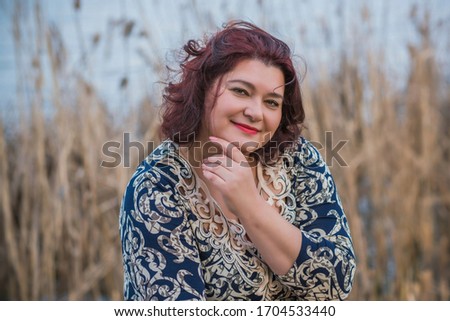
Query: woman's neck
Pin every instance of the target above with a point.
(198, 151)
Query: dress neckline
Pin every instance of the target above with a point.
(273, 175)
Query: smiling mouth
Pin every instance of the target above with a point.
(246, 129)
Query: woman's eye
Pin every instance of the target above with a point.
(273, 103)
(240, 91)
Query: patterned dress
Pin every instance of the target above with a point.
(177, 244)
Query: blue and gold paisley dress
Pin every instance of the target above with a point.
(177, 244)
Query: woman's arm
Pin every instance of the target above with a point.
(314, 255)
(160, 256)
(326, 265)
(277, 240)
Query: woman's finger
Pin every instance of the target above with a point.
(219, 170)
(220, 160)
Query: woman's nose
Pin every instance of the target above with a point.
(254, 112)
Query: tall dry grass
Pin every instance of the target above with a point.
(59, 207)
(395, 188)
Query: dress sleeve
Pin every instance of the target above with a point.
(160, 255)
(325, 266)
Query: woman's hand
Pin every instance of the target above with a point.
(232, 175)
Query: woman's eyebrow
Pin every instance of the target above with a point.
(244, 82)
(252, 87)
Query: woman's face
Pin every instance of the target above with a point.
(247, 111)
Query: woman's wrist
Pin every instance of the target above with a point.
(253, 211)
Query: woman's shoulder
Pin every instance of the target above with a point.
(162, 166)
(303, 153)
(309, 173)
(165, 152)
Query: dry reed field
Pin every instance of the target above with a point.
(59, 207)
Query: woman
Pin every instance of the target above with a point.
(235, 204)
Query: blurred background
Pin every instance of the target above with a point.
(80, 90)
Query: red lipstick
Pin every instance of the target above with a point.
(246, 128)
